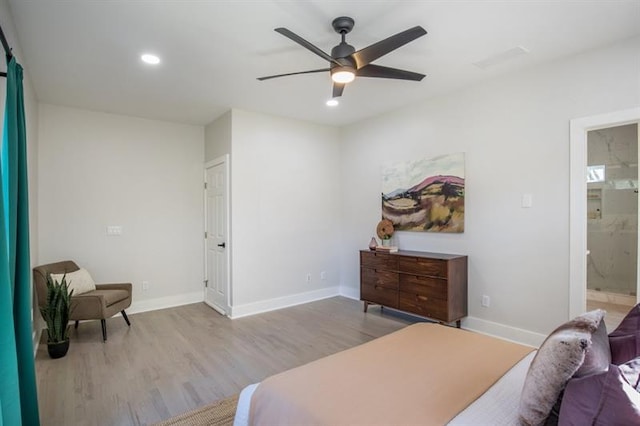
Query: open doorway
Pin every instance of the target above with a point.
(583, 208)
(612, 220)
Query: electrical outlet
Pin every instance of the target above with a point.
(309, 277)
(145, 285)
(114, 231)
(486, 301)
(323, 275)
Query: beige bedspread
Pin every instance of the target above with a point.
(424, 374)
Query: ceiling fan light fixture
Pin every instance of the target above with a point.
(343, 74)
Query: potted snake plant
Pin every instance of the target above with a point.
(56, 314)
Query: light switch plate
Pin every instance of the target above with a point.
(527, 201)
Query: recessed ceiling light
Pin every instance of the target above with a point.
(150, 59)
(332, 102)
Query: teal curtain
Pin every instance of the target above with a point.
(18, 393)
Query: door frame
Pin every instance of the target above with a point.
(224, 160)
(578, 199)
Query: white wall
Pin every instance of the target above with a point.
(286, 208)
(515, 133)
(217, 137)
(98, 170)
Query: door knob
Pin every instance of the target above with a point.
(223, 245)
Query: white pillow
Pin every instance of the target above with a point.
(79, 281)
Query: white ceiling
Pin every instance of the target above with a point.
(85, 54)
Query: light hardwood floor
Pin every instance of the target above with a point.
(615, 313)
(174, 360)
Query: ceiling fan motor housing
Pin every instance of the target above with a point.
(343, 50)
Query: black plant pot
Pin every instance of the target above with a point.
(58, 350)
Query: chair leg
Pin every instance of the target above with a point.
(126, 318)
(104, 330)
(76, 326)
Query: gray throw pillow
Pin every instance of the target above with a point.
(559, 357)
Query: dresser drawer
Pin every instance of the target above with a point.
(426, 286)
(379, 295)
(379, 277)
(423, 305)
(423, 266)
(379, 260)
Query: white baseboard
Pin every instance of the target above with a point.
(165, 302)
(479, 325)
(247, 309)
(350, 292)
(36, 341)
(491, 328)
(503, 331)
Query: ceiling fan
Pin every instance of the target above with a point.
(345, 63)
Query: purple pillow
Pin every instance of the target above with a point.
(625, 340)
(603, 399)
(631, 372)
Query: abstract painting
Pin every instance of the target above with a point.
(425, 195)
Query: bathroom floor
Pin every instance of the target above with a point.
(615, 313)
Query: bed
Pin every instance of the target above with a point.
(423, 374)
(431, 374)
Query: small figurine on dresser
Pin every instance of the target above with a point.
(385, 232)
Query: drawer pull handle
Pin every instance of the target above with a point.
(425, 298)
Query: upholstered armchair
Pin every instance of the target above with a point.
(102, 303)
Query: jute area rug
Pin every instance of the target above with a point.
(220, 413)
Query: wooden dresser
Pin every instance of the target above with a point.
(432, 285)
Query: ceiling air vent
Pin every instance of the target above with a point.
(501, 58)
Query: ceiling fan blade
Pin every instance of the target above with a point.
(365, 56)
(386, 72)
(304, 43)
(338, 88)
(292, 73)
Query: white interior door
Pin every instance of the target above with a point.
(216, 233)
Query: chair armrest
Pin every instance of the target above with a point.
(87, 306)
(114, 286)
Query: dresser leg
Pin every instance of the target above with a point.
(458, 323)
(366, 305)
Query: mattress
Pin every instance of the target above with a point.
(493, 403)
